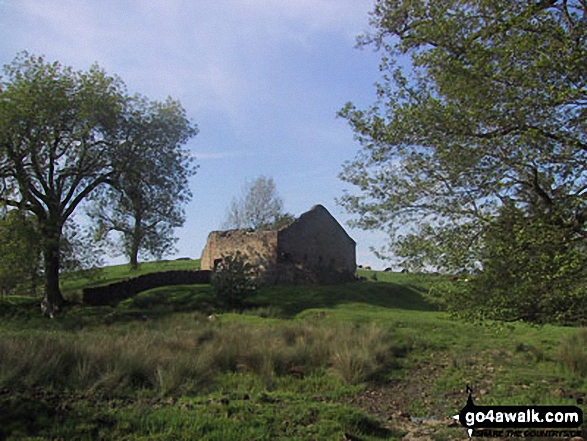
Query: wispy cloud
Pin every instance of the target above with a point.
(207, 50)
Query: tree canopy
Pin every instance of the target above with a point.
(145, 203)
(481, 112)
(63, 135)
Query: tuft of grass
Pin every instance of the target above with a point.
(166, 364)
(533, 353)
(110, 365)
(573, 353)
(356, 363)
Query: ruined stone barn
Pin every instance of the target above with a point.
(312, 249)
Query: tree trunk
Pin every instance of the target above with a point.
(134, 257)
(53, 300)
(136, 240)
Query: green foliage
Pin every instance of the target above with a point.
(480, 108)
(20, 262)
(65, 134)
(185, 360)
(78, 253)
(336, 363)
(58, 142)
(233, 281)
(531, 272)
(145, 203)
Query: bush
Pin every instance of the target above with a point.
(534, 270)
(19, 253)
(233, 281)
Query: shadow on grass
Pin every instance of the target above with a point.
(293, 299)
(289, 300)
(23, 416)
(148, 305)
(158, 303)
(369, 427)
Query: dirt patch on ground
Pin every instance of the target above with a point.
(413, 406)
(393, 405)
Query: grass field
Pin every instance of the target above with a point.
(368, 360)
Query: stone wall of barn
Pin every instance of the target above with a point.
(312, 249)
(260, 247)
(316, 249)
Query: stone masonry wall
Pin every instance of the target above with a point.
(315, 248)
(118, 291)
(259, 246)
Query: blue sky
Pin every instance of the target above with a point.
(262, 79)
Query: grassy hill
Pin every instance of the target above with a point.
(368, 360)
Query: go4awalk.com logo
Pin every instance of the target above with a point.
(519, 421)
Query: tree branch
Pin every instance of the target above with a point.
(84, 193)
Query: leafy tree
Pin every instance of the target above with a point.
(481, 106)
(20, 261)
(531, 272)
(58, 142)
(78, 251)
(145, 203)
(258, 208)
(63, 135)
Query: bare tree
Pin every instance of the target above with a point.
(259, 207)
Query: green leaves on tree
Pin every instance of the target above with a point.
(481, 108)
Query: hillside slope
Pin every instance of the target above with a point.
(368, 360)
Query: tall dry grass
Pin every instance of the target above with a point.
(572, 353)
(185, 360)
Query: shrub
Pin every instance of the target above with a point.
(233, 282)
(533, 271)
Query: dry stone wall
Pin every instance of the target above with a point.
(116, 292)
(316, 248)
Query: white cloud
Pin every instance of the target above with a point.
(207, 51)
